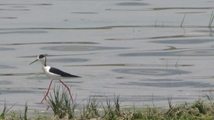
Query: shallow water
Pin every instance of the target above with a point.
(139, 50)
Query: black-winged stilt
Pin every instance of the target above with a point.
(53, 73)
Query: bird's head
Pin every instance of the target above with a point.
(40, 58)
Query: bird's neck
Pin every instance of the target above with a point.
(44, 62)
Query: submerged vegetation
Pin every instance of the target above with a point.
(62, 108)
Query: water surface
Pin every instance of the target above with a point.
(139, 50)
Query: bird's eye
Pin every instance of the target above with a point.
(41, 56)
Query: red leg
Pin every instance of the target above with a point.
(47, 91)
(47, 107)
(68, 90)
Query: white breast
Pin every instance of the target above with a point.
(49, 74)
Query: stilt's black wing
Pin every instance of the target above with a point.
(61, 73)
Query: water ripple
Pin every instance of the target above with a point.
(79, 48)
(5, 82)
(152, 72)
(6, 48)
(6, 67)
(49, 43)
(132, 4)
(184, 41)
(24, 32)
(171, 84)
(197, 52)
(68, 60)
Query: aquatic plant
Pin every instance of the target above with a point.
(211, 20)
(181, 25)
(90, 109)
(5, 110)
(112, 110)
(61, 104)
(25, 112)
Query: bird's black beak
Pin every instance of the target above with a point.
(33, 61)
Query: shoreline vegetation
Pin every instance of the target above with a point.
(60, 106)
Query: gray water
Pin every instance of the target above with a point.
(139, 50)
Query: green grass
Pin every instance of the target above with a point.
(62, 108)
(5, 111)
(90, 109)
(61, 105)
